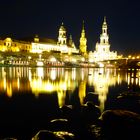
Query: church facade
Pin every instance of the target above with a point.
(39, 45)
(12, 45)
(102, 49)
(62, 45)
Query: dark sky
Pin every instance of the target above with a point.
(43, 17)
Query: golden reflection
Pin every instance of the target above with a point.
(101, 79)
(133, 78)
(51, 83)
(61, 97)
(53, 74)
(40, 72)
(18, 83)
(9, 90)
(73, 73)
(60, 80)
(4, 83)
(82, 91)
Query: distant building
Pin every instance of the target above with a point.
(39, 45)
(83, 41)
(63, 45)
(49, 45)
(12, 45)
(102, 49)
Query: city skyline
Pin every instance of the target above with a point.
(22, 19)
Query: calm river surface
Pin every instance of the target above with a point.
(28, 95)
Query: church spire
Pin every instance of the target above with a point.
(83, 30)
(83, 41)
(83, 26)
(104, 39)
(104, 19)
(104, 26)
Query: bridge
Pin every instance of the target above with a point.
(121, 63)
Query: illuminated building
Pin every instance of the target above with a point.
(102, 49)
(83, 41)
(62, 46)
(62, 39)
(11, 45)
(39, 45)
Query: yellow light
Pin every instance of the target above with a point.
(52, 59)
(53, 74)
(133, 57)
(101, 65)
(29, 57)
(40, 72)
(9, 90)
(61, 98)
(91, 60)
(49, 87)
(39, 63)
(83, 59)
(73, 60)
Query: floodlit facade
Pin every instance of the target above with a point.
(38, 45)
(63, 45)
(83, 41)
(11, 45)
(59, 46)
(102, 49)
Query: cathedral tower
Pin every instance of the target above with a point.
(104, 39)
(83, 41)
(62, 40)
(102, 49)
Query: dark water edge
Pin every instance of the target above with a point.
(23, 115)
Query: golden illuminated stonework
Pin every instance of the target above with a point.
(83, 41)
(102, 49)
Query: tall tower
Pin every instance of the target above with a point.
(102, 50)
(62, 40)
(83, 41)
(104, 38)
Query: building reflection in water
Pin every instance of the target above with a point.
(102, 79)
(133, 78)
(61, 80)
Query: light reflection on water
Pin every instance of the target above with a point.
(38, 80)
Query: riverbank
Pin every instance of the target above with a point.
(70, 122)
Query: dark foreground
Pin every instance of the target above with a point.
(39, 120)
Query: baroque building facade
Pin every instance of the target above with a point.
(62, 45)
(102, 49)
(11, 45)
(39, 45)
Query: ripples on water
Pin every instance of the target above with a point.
(31, 96)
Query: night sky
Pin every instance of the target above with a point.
(26, 18)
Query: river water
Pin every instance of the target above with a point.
(28, 95)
